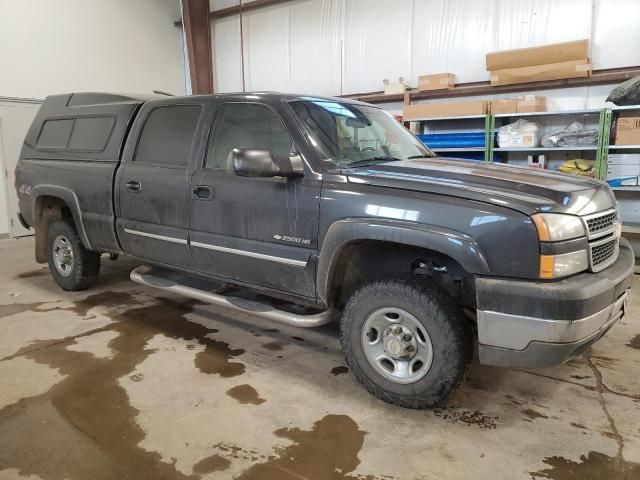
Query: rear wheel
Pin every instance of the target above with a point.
(72, 266)
(406, 341)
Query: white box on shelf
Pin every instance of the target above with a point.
(623, 159)
(623, 175)
(537, 161)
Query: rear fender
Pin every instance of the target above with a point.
(44, 217)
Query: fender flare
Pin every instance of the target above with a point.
(70, 198)
(459, 246)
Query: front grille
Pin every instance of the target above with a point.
(602, 254)
(601, 223)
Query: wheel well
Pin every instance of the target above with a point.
(364, 261)
(47, 210)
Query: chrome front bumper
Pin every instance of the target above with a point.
(535, 324)
(528, 342)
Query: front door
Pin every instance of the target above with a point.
(260, 231)
(153, 185)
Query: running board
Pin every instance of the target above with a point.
(188, 287)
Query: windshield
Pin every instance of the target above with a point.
(349, 135)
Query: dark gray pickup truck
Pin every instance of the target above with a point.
(323, 206)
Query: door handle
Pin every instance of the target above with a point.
(133, 186)
(202, 192)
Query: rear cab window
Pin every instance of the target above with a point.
(167, 136)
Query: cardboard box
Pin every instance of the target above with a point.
(438, 81)
(543, 55)
(531, 103)
(536, 73)
(628, 131)
(431, 110)
(503, 105)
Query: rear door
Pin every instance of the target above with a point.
(153, 183)
(259, 231)
(15, 118)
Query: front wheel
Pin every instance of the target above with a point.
(72, 266)
(406, 341)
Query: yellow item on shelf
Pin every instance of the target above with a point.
(579, 166)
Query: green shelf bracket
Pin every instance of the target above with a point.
(489, 126)
(604, 133)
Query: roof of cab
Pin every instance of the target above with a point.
(85, 99)
(269, 96)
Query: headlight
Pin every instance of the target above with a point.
(554, 266)
(553, 227)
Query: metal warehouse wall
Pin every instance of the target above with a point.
(337, 47)
(49, 47)
(77, 45)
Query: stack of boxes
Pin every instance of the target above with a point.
(549, 62)
(623, 169)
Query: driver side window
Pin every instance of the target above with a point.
(246, 125)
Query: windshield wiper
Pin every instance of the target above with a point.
(372, 161)
(413, 157)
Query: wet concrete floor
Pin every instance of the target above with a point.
(124, 382)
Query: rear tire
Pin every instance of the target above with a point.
(72, 266)
(406, 341)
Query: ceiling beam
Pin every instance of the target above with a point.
(235, 9)
(197, 30)
(599, 77)
(245, 7)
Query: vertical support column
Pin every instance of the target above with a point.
(197, 27)
(489, 127)
(604, 134)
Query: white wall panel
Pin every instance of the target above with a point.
(452, 36)
(315, 29)
(526, 23)
(219, 4)
(616, 33)
(227, 66)
(73, 45)
(297, 46)
(377, 43)
(266, 48)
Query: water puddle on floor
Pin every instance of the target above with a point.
(84, 426)
(328, 451)
(39, 272)
(634, 342)
(245, 394)
(214, 463)
(594, 466)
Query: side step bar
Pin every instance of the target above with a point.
(178, 283)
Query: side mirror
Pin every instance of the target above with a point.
(253, 162)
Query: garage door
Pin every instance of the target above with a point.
(15, 119)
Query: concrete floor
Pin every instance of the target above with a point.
(123, 382)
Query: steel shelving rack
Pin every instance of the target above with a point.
(606, 117)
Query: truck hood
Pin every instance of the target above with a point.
(520, 188)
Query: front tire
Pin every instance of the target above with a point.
(72, 266)
(406, 341)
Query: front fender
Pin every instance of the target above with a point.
(459, 246)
